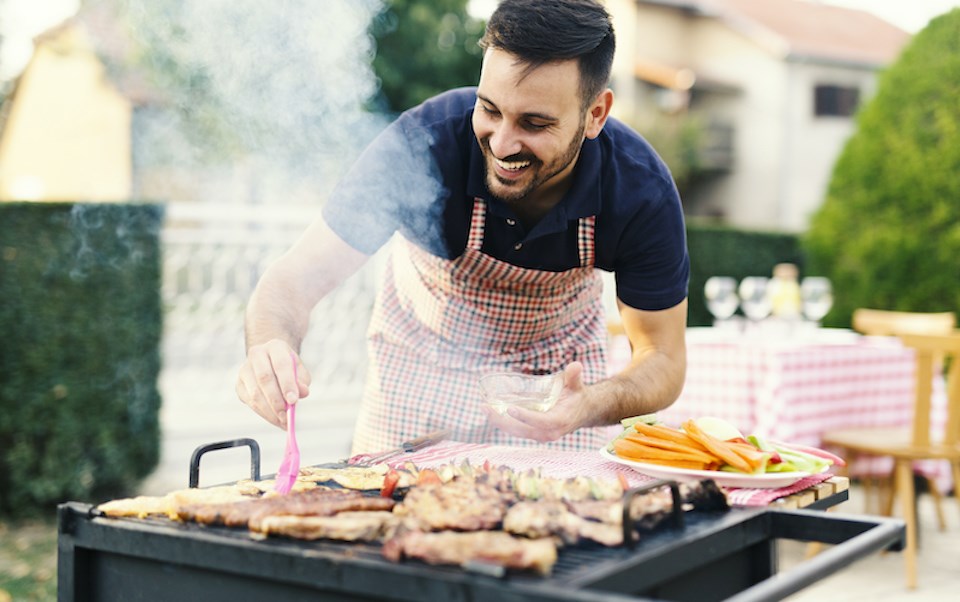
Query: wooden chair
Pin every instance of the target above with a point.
(880, 322)
(933, 353)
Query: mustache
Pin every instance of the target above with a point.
(516, 157)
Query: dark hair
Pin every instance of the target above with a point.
(547, 31)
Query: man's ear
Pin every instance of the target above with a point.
(597, 114)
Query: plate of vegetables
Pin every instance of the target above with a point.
(712, 448)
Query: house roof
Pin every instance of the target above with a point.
(798, 29)
(112, 44)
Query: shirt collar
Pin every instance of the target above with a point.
(582, 200)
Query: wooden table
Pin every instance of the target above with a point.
(824, 495)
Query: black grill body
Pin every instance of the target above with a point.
(714, 556)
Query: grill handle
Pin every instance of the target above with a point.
(197, 453)
(676, 511)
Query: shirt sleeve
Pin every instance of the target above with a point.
(394, 185)
(653, 265)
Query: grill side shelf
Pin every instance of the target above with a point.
(733, 556)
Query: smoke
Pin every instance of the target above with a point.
(255, 101)
(106, 237)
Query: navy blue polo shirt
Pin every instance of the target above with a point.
(421, 174)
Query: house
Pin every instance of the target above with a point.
(65, 128)
(81, 125)
(764, 90)
(772, 86)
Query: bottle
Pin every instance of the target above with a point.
(785, 292)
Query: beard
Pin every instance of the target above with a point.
(514, 191)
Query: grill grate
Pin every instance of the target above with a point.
(578, 564)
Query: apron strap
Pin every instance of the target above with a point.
(585, 241)
(477, 220)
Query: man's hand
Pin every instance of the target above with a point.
(650, 382)
(266, 382)
(278, 315)
(569, 413)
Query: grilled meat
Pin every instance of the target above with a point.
(650, 509)
(494, 547)
(355, 477)
(527, 485)
(316, 502)
(268, 487)
(460, 505)
(141, 506)
(345, 526)
(489, 518)
(324, 507)
(545, 518)
(601, 520)
(171, 504)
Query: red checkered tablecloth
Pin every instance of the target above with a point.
(793, 388)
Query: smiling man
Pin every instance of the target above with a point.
(530, 125)
(504, 200)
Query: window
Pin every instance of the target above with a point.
(835, 101)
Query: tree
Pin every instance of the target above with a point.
(888, 233)
(424, 48)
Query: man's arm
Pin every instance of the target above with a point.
(654, 377)
(651, 381)
(278, 315)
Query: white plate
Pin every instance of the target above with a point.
(772, 480)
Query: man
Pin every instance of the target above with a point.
(506, 197)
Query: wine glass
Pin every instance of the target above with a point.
(721, 295)
(816, 294)
(755, 297)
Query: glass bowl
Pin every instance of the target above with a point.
(533, 392)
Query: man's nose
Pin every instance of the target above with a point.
(505, 141)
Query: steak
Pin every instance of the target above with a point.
(463, 549)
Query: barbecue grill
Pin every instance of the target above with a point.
(714, 555)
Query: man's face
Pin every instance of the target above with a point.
(530, 125)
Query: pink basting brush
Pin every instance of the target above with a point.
(290, 466)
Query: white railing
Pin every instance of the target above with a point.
(213, 257)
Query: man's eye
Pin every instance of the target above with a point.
(536, 126)
(489, 111)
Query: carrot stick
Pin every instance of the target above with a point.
(636, 451)
(720, 448)
(663, 432)
(671, 446)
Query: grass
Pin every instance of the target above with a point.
(28, 559)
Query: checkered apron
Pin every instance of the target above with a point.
(439, 324)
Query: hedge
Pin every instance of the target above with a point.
(81, 319)
(725, 251)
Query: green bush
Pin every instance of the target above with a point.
(724, 251)
(79, 360)
(888, 234)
